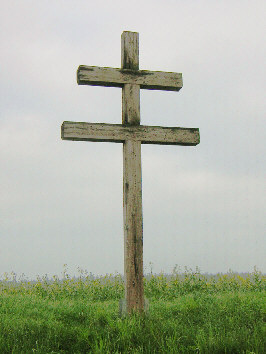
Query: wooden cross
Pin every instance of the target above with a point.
(132, 135)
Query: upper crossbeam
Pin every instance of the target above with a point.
(112, 77)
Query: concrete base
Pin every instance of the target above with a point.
(122, 307)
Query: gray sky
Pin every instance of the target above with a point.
(61, 201)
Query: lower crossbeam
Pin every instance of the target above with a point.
(118, 133)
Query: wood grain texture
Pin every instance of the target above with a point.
(132, 189)
(133, 226)
(131, 104)
(113, 77)
(130, 50)
(119, 133)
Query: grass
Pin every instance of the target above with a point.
(189, 313)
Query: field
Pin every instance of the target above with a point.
(189, 312)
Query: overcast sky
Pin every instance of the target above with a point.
(61, 201)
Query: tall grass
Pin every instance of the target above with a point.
(189, 313)
(111, 286)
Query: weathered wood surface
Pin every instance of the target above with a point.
(132, 188)
(130, 50)
(118, 133)
(133, 226)
(131, 104)
(113, 77)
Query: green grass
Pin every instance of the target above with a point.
(189, 313)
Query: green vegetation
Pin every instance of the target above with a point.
(189, 313)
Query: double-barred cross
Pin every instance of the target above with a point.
(132, 135)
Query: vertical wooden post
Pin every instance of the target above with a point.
(132, 190)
